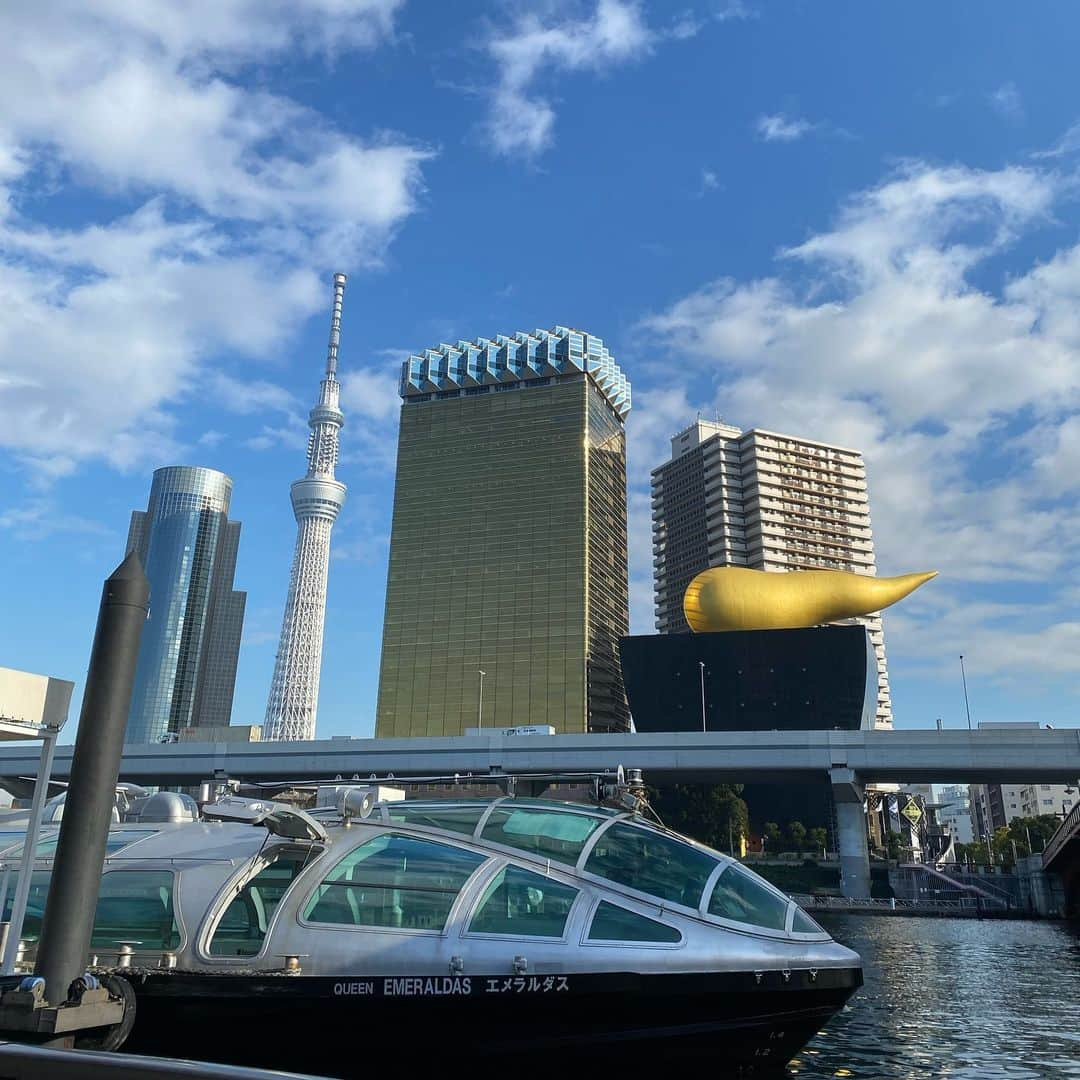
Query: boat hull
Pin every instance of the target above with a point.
(741, 1024)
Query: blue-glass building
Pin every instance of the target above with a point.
(187, 661)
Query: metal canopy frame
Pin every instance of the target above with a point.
(15, 731)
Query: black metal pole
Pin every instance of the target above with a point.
(91, 795)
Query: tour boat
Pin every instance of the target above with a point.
(377, 930)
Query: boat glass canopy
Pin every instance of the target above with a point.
(648, 860)
(242, 928)
(455, 817)
(134, 907)
(745, 898)
(551, 834)
(394, 881)
(612, 923)
(522, 903)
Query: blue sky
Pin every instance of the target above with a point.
(854, 222)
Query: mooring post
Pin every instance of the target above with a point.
(84, 828)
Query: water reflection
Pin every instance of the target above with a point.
(957, 998)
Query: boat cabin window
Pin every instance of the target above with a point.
(653, 863)
(551, 834)
(459, 819)
(741, 896)
(395, 881)
(242, 929)
(46, 845)
(35, 903)
(522, 903)
(8, 839)
(135, 906)
(803, 924)
(613, 923)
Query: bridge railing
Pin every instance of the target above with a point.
(1056, 842)
(844, 903)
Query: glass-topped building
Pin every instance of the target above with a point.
(508, 547)
(187, 660)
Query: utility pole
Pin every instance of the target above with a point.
(701, 664)
(963, 676)
(480, 705)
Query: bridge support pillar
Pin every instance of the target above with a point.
(851, 841)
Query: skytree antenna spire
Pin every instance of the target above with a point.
(316, 501)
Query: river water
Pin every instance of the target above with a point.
(958, 998)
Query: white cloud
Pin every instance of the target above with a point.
(777, 127)
(242, 202)
(41, 517)
(1007, 102)
(247, 396)
(293, 435)
(370, 401)
(362, 535)
(734, 9)
(370, 394)
(536, 48)
(884, 333)
(1069, 143)
(709, 182)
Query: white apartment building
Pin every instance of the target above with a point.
(1036, 799)
(767, 501)
(955, 811)
(993, 806)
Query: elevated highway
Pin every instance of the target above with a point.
(740, 757)
(847, 760)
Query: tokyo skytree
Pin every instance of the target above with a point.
(316, 501)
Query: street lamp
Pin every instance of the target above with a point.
(480, 705)
(701, 664)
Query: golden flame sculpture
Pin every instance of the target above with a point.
(738, 598)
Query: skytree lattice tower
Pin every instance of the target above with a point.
(316, 501)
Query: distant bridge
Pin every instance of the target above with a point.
(717, 757)
(1062, 857)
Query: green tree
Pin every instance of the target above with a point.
(772, 838)
(797, 833)
(712, 813)
(819, 837)
(1039, 829)
(1006, 848)
(892, 845)
(973, 854)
